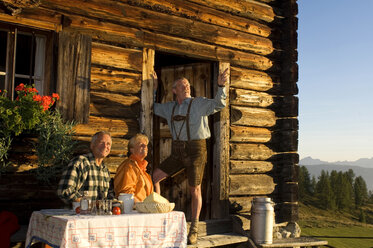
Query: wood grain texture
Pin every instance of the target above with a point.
(254, 184)
(248, 116)
(115, 81)
(117, 57)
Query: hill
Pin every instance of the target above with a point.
(315, 166)
(362, 162)
(340, 229)
(311, 216)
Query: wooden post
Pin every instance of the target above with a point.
(147, 96)
(220, 185)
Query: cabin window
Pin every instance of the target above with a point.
(23, 54)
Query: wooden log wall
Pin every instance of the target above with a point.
(115, 97)
(257, 38)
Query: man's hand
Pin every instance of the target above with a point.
(223, 78)
(155, 80)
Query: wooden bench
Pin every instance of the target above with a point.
(291, 242)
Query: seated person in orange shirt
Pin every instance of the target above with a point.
(131, 176)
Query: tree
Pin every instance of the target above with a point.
(313, 184)
(370, 196)
(343, 191)
(362, 216)
(324, 191)
(360, 192)
(304, 182)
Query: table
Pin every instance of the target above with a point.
(64, 229)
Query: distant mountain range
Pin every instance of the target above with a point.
(361, 167)
(362, 162)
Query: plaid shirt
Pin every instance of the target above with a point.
(83, 174)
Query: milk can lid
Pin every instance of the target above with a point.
(262, 199)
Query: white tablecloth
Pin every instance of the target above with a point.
(62, 228)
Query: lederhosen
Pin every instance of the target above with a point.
(179, 145)
(190, 154)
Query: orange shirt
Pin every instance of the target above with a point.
(131, 178)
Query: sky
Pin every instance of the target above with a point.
(335, 58)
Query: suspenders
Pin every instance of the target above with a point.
(186, 119)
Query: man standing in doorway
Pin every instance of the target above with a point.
(187, 118)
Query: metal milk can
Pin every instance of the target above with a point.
(128, 201)
(262, 218)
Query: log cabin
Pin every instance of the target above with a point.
(99, 56)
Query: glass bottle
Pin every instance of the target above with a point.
(84, 203)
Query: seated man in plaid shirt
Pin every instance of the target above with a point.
(87, 172)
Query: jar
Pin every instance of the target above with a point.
(128, 202)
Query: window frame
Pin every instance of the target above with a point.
(13, 31)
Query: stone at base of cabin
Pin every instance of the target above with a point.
(294, 229)
(285, 234)
(291, 230)
(277, 235)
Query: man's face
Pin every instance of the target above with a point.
(102, 146)
(140, 149)
(182, 89)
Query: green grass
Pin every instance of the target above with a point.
(340, 229)
(343, 237)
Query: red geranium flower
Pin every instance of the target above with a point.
(46, 102)
(36, 98)
(55, 95)
(30, 90)
(20, 87)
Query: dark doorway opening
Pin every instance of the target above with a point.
(200, 75)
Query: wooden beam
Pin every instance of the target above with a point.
(254, 184)
(250, 9)
(250, 151)
(114, 110)
(117, 127)
(115, 81)
(113, 56)
(35, 18)
(250, 167)
(220, 208)
(125, 14)
(147, 94)
(250, 98)
(250, 79)
(196, 11)
(286, 106)
(248, 116)
(249, 134)
(241, 204)
(106, 31)
(118, 147)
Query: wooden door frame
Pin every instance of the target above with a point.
(147, 94)
(220, 180)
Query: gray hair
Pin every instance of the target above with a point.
(135, 139)
(179, 79)
(98, 134)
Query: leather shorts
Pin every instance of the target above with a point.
(189, 155)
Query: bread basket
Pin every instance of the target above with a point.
(154, 207)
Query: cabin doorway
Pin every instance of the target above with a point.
(201, 77)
